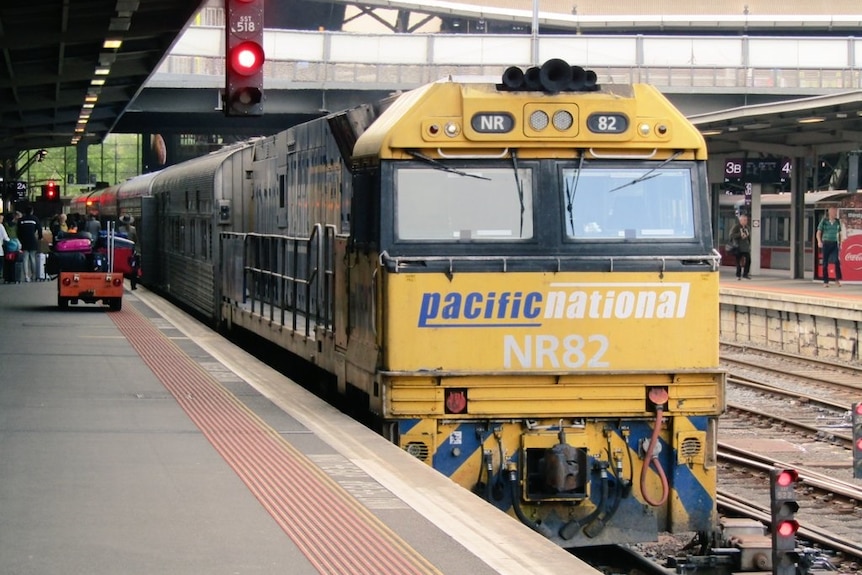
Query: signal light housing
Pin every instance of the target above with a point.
(51, 192)
(244, 58)
(856, 417)
(782, 491)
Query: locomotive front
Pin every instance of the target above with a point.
(546, 299)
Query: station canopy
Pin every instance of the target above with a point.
(805, 127)
(56, 52)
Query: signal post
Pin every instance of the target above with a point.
(783, 505)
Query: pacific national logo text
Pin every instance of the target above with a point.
(561, 301)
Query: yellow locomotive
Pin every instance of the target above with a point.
(517, 279)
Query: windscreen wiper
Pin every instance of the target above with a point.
(570, 192)
(441, 166)
(648, 175)
(520, 185)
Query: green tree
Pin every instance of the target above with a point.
(115, 160)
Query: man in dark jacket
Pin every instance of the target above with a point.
(29, 234)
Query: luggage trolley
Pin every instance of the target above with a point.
(102, 283)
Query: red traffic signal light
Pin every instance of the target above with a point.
(786, 478)
(787, 528)
(244, 58)
(50, 192)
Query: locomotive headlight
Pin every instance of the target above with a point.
(562, 120)
(644, 129)
(452, 129)
(539, 120)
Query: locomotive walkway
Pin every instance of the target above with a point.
(141, 442)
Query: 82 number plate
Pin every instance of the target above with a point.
(610, 123)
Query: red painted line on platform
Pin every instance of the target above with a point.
(336, 533)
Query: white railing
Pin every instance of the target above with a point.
(299, 59)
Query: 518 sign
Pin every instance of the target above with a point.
(246, 24)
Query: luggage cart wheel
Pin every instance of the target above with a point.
(116, 303)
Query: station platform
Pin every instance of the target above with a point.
(141, 442)
(799, 316)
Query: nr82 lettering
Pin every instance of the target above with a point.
(552, 352)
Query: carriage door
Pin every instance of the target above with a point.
(149, 240)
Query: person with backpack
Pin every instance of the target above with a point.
(29, 234)
(829, 242)
(740, 238)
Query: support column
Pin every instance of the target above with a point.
(797, 219)
(754, 216)
(7, 171)
(853, 171)
(82, 166)
(534, 34)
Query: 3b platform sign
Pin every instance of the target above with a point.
(760, 170)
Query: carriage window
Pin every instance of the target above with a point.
(628, 203)
(468, 204)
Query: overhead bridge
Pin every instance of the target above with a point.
(309, 73)
(708, 64)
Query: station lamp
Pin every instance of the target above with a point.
(782, 491)
(244, 58)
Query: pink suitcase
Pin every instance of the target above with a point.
(73, 245)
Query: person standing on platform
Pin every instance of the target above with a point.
(126, 227)
(11, 224)
(740, 235)
(4, 240)
(829, 242)
(93, 226)
(59, 227)
(29, 234)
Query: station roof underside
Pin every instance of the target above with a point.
(803, 127)
(51, 50)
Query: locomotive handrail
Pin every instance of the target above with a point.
(443, 154)
(322, 238)
(400, 261)
(597, 155)
(265, 264)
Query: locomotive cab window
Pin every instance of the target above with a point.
(628, 202)
(464, 204)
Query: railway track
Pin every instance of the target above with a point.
(820, 418)
(806, 375)
(787, 411)
(829, 508)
